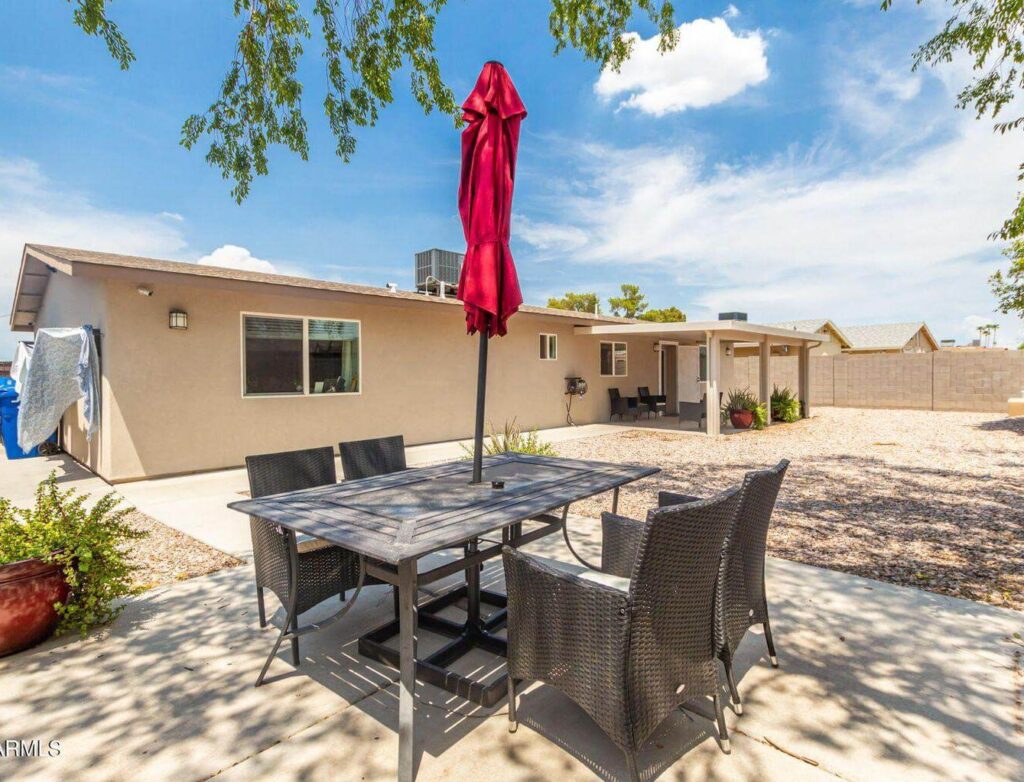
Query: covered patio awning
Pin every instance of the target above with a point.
(715, 335)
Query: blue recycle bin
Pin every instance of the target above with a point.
(9, 424)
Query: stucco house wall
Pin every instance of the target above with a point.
(173, 403)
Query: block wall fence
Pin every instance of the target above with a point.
(976, 381)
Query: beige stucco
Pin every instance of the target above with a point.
(173, 400)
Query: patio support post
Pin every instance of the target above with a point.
(765, 376)
(804, 365)
(407, 670)
(714, 413)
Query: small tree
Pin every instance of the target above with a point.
(667, 315)
(630, 304)
(578, 302)
(1009, 288)
(363, 45)
(988, 33)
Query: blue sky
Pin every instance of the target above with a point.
(783, 161)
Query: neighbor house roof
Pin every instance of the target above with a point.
(39, 261)
(886, 336)
(815, 325)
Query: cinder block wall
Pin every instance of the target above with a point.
(979, 381)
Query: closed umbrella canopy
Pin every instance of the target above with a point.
(489, 287)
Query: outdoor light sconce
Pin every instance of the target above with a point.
(177, 319)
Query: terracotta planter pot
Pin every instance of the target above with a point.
(741, 419)
(28, 591)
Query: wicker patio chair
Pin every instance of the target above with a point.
(625, 405)
(301, 574)
(740, 601)
(369, 458)
(629, 654)
(697, 411)
(376, 456)
(656, 403)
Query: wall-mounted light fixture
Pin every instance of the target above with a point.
(177, 319)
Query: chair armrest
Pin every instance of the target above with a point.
(557, 620)
(620, 540)
(666, 498)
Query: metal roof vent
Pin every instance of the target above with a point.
(437, 271)
(732, 316)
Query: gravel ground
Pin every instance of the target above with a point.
(919, 498)
(167, 555)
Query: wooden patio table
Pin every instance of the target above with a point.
(396, 519)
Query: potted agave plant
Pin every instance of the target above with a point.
(744, 409)
(63, 566)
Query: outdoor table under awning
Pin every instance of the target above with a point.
(393, 520)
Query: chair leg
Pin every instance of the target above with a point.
(634, 771)
(730, 677)
(513, 722)
(261, 606)
(291, 623)
(293, 626)
(771, 645)
(723, 732)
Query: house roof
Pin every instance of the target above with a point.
(696, 332)
(886, 336)
(39, 261)
(815, 325)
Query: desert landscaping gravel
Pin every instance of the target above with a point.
(166, 555)
(933, 500)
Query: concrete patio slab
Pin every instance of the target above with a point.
(877, 682)
(197, 504)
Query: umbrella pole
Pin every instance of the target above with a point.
(481, 394)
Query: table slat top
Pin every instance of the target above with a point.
(407, 514)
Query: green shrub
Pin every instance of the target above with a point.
(513, 440)
(88, 544)
(785, 406)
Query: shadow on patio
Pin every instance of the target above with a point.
(876, 682)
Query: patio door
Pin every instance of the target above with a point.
(668, 376)
(689, 373)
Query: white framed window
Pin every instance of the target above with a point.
(298, 356)
(548, 347)
(614, 359)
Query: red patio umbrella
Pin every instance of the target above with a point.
(488, 286)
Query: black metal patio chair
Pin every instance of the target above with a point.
(625, 405)
(301, 574)
(628, 654)
(656, 403)
(740, 601)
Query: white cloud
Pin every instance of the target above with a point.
(546, 236)
(710, 64)
(730, 12)
(33, 77)
(231, 256)
(802, 236)
(34, 209)
(174, 216)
